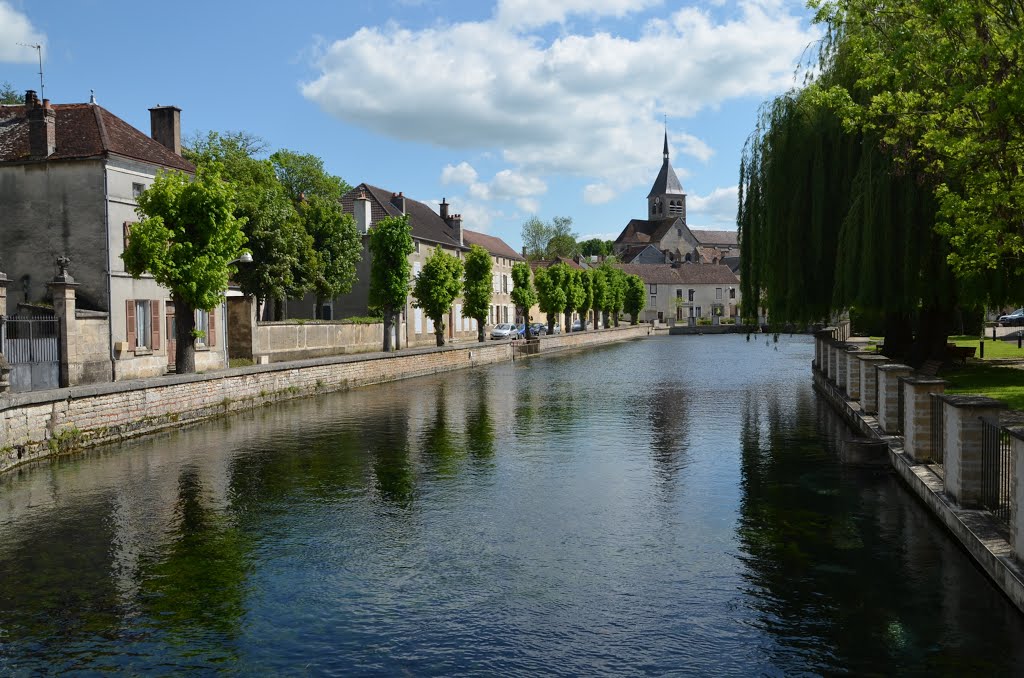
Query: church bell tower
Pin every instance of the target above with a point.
(666, 199)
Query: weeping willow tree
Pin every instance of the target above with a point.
(828, 222)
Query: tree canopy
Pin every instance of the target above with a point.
(303, 175)
(551, 298)
(9, 95)
(597, 247)
(390, 246)
(634, 297)
(547, 240)
(524, 294)
(437, 286)
(478, 288)
(187, 239)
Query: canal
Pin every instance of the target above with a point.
(666, 506)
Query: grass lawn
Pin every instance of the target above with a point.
(993, 349)
(994, 381)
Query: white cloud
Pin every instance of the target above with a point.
(507, 185)
(717, 209)
(16, 28)
(598, 194)
(532, 13)
(528, 205)
(581, 105)
(463, 173)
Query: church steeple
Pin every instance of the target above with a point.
(666, 198)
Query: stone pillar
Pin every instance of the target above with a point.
(889, 395)
(830, 371)
(1017, 497)
(840, 361)
(62, 289)
(3, 295)
(853, 373)
(917, 430)
(962, 458)
(869, 363)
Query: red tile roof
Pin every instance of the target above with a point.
(492, 244)
(84, 131)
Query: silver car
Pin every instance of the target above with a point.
(504, 331)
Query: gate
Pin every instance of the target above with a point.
(31, 345)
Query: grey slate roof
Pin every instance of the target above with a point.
(667, 181)
(684, 274)
(643, 231)
(426, 224)
(496, 246)
(84, 131)
(715, 238)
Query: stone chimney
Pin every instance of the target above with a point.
(398, 200)
(165, 126)
(42, 126)
(444, 209)
(454, 222)
(363, 215)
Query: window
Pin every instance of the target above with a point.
(654, 300)
(691, 295)
(137, 189)
(732, 292)
(126, 230)
(654, 289)
(206, 323)
(143, 324)
(679, 294)
(415, 269)
(416, 244)
(504, 283)
(718, 293)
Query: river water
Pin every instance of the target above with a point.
(666, 506)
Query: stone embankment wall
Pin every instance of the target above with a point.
(36, 425)
(290, 340)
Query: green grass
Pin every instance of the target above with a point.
(240, 362)
(993, 349)
(994, 381)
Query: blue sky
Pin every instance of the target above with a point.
(507, 108)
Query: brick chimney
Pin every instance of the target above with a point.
(42, 126)
(454, 222)
(165, 126)
(398, 200)
(363, 215)
(444, 209)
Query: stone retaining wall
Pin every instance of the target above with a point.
(561, 342)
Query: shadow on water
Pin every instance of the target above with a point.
(846, 573)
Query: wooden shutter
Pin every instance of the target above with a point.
(211, 328)
(129, 308)
(154, 323)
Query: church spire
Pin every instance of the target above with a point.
(666, 139)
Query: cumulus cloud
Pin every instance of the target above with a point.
(463, 173)
(598, 194)
(508, 185)
(717, 209)
(528, 205)
(581, 105)
(16, 28)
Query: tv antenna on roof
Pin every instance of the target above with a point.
(39, 52)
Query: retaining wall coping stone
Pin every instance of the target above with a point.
(895, 367)
(925, 381)
(872, 357)
(965, 401)
(1015, 431)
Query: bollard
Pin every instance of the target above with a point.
(993, 333)
(981, 349)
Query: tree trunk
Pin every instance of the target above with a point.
(388, 322)
(439, 330)
(616, 320)
(398, 330)
(551, 323)
(278, 309)
(583, 320)
(634, 318)
(185, 351)
(932, 331)
(568, 321)
(898, 335)
(480, 329)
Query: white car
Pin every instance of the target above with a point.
(504, 331)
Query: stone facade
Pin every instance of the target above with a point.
(917, 433)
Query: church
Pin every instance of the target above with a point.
(664, 238)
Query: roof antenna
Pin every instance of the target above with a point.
(39, 52)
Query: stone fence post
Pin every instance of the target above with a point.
(962, 456)
(821, 339)
(1017, 493)
(853, 373)
(5, 369)
(869, 363)
(3, 295)
(917, 409)
(889, 395)
(62, 289)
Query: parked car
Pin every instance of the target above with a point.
(538, 329)
(577, 326)
(504, 331)
(1015, 318)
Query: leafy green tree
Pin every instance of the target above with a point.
(937, 86)
(635, 297)
(572, 283)
(390, 247)
(549, 240)
(337, 247)
(476, 297)
(524, 294)
(284, 261)
(599, 291)
(187, 238)
(9, 95)
(437, 287)
(596, 247)
(586, 299)
(550, 292)
(303, 176)
(612, 292)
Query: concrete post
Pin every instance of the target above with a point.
(889, 395)
(3, 295)
(64, 308)
(832, 353)
(853, 373)
(869, 363)
(962, 458)
(917, 430)
(1017, 496)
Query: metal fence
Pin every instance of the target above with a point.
(996, 470)
(938, 428)
(901, 408)
(31, 344)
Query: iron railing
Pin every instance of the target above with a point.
(901, 408)
(938, 428)
(31, 339)
(996, 470)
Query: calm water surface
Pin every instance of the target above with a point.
(667, 506)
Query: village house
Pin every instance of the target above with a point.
(678, 292)
(430, 229)
(69, 176)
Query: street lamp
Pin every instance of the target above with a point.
(246, 258)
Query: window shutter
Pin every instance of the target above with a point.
(154, 324)
(127, 230)
(211, 329)
(129, 307)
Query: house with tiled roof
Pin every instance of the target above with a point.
(680, 292)
(69, 176)
(369, 204)
(664, 236)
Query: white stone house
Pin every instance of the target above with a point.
(69, 176)
(678, 292)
